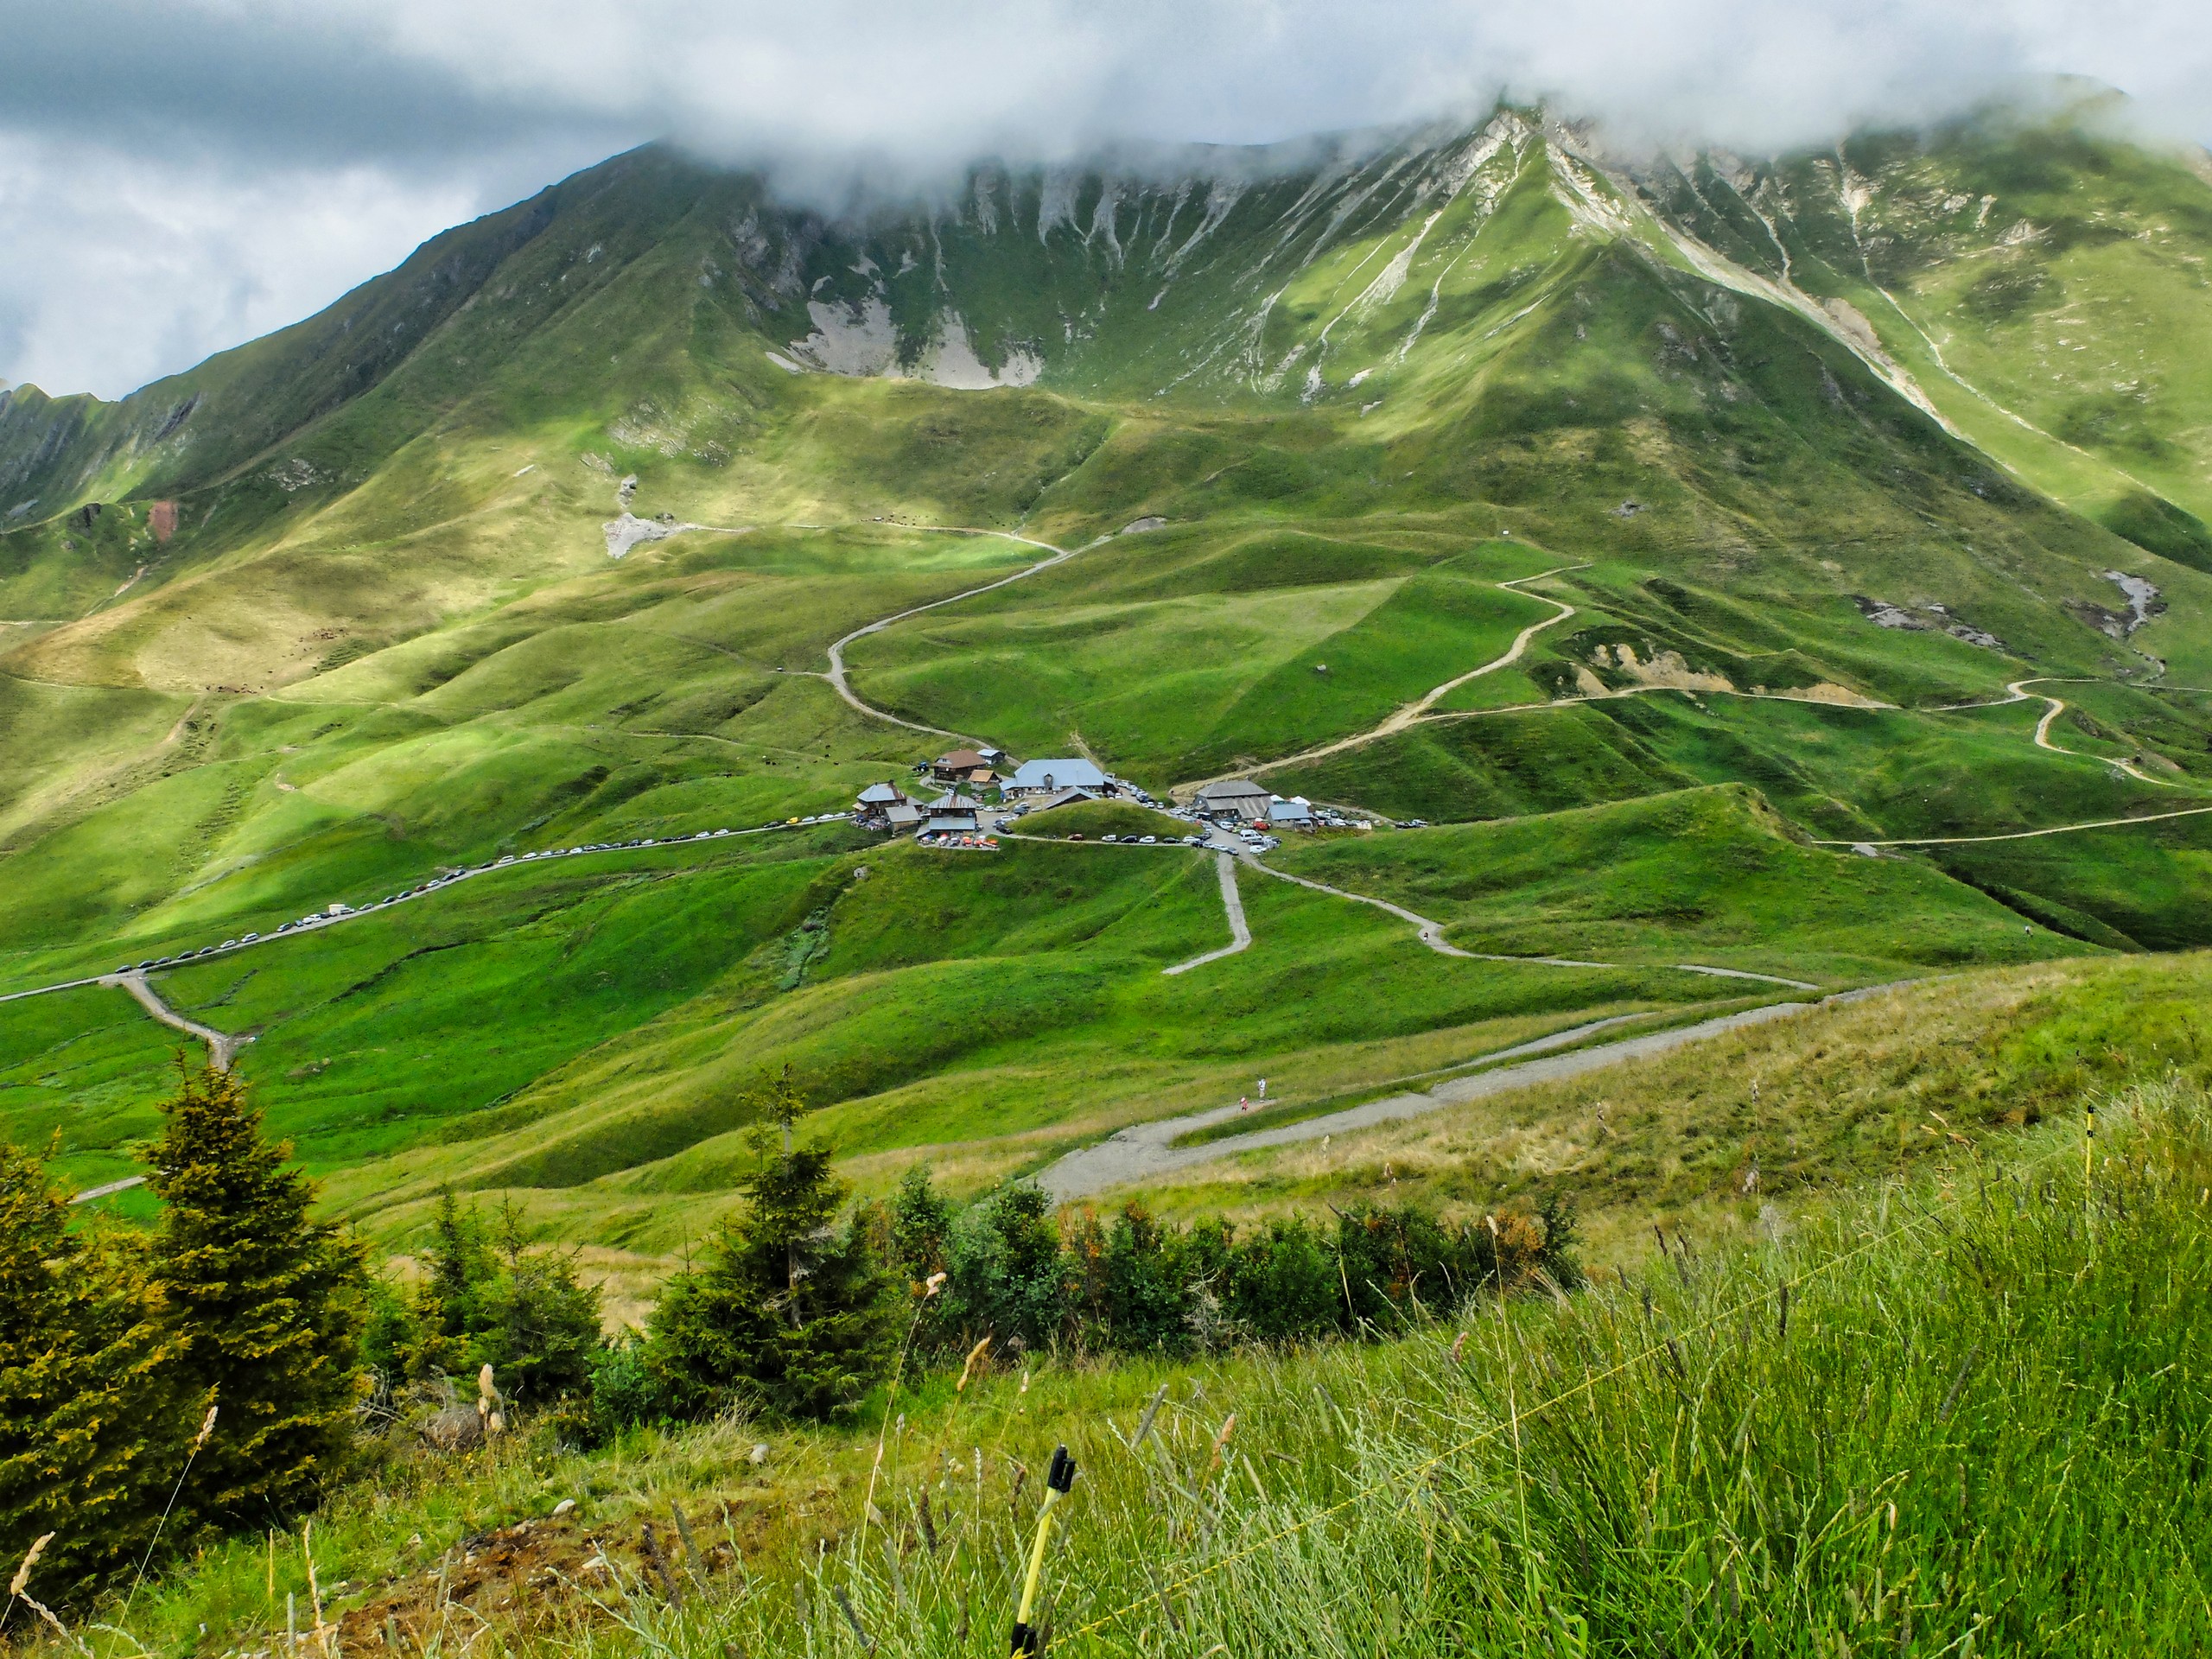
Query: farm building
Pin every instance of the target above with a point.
(875, 803)
(966, 765)
(1063, 798)
(1237, 797)
(1050, 777)
(1296, 813)
(951, 812)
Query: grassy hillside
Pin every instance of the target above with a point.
(1702, 1139)
(1473, 480)
(1814, 1432)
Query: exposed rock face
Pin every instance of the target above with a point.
(1930, 618)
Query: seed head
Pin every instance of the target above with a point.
(30, 1560)
(975, 1356)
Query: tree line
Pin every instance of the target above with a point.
(116, 1343)
(801, 1304)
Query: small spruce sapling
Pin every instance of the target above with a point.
(536, 1324)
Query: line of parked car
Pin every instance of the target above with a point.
(337, 913)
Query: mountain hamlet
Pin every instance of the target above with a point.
(1487, 864)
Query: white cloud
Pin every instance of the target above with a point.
(122, 267)
(237, 163)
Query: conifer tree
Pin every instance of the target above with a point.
(265, 1304)
(790, 1310)
(446, 1304)
(91, 1429)
(536, 1324)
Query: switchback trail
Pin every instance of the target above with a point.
(2025, 835)
(2017, 691)
(1409, 713)
(1146, 1152)
(1431, 935)
(836, 674)
(2057, 707)
(222, 1046)
(1240, 933)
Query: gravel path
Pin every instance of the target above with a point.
(836, 674)
(1240, 934)
(1431, 935)
(1417, 711)
(1143, 1152)
(222, 1048)
(109, 1190)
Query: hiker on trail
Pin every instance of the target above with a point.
(1243, 1104)
(1263, 1088)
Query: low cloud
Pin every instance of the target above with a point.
(177, 175)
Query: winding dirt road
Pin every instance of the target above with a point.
(2025, 835)
(222, 1046)
(2057, 707)
(1409, 713)
(1431, 935)
(1146, 1152)
(836, 674)
(1240, 934)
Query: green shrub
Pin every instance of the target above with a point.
(1132, 1284)
(536, 1324)
(525, 1314)
(625, 1394)
(1009, 1277)
(1285, 1288)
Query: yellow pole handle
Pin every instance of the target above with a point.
(1037, 1556)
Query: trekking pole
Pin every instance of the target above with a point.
(1058, 1479)
(2089, 1177)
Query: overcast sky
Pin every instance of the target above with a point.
(180, 175)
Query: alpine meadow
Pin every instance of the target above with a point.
(1486, 859)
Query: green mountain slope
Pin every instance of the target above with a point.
(1477, 477)
(2042, 281)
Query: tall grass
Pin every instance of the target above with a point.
(1963, 1415)
(1975, 1423)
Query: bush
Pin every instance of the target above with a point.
(1133, 1284)
(536, 1324)
(625, 1394)
(1285, 1287)
(1008, 1277)
(526, 1315)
